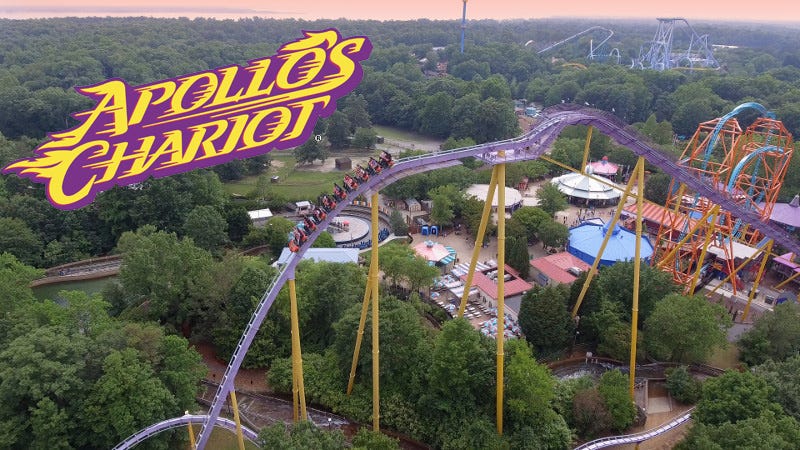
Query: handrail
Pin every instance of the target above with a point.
(636, 438)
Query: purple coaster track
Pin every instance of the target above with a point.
(529, 146)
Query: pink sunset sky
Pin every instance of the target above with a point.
(776, 10)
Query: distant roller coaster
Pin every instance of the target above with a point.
(662, 54)
(595, 51)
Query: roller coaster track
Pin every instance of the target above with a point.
(637, 438)
(183, 421)
(529, 146)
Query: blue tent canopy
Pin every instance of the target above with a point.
(586, 238)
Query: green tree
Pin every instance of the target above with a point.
(365, 138)
(768, 430)
(178, 295)
(774, 336)
(591, 416)
(398, 223)
(551, 200)
(682, 385)
(531, 218)
(553, 234)
(371, 440)
(517, 255)
(463, 362)
(310, 151)
(656, 189)
(544, 319)
(400, 264)
(615, 283)
(18, 239)
(126, 398)
(436, 116)
(442, 210)
(274, 233)
(302, 434)
(686, 329)
(614, 389)
(529, 402)
(404, 347)
(338, 130)
(324, 240)
(355, 108)
(206, 226)
(36, 367)
(733, 397)
(784, 377)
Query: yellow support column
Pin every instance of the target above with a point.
(742, 265)
(192, 442)
(487, 213)
(637, 265)
(586, 150)
(239, 434)
(373, 280)
(758, 280)
(501, 267)
(602, 249)
(784, 282)
(706, 242)
(360, 334)
(688, 235)
(298, 388)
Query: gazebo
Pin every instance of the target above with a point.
(513, 196)
(436, 254)
(603, 167)
(584, 189)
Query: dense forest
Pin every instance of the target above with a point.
(122, 359)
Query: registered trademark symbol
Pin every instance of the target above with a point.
(318, 138)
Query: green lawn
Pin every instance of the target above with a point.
(397, 133)
(725, 358)
(295, 184)
(222, 439)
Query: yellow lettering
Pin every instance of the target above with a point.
(307, 106)
(172, 147)
(55, 188)
(259, 69)
(113, 163)
(201, 96)
(146, 99)
(305, 73)
(112, 103)
(275, 128)
(223, 93)
(200, 140)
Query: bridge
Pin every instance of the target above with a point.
(529, 146)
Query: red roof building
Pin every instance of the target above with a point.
(515, 287)
(557, 268)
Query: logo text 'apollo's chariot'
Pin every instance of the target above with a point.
(198, 120)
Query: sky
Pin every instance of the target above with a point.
(739, 10)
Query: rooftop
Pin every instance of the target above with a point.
(555, 266)
(514, 286)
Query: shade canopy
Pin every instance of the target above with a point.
(431, 251)
(581, 186)
(603, 167)
(787, 213)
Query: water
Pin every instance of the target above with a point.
(50, 291)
